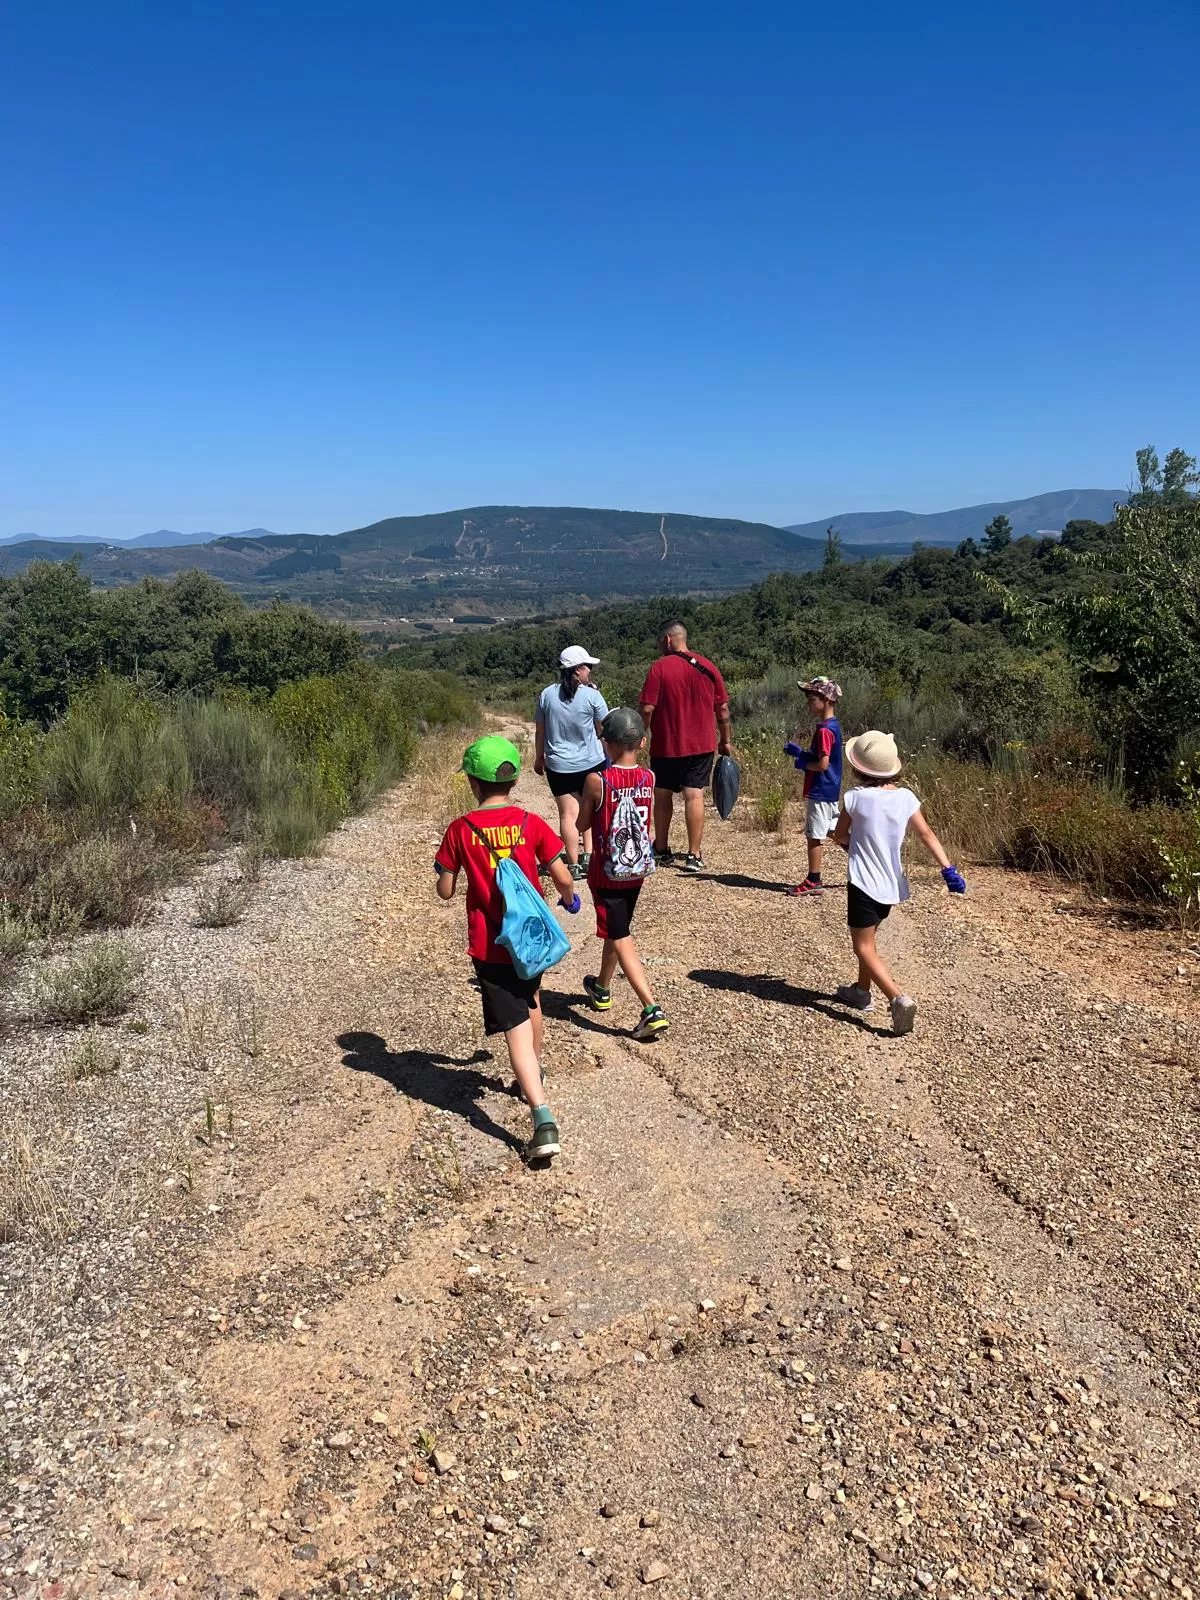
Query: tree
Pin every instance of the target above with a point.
(1179, 475)
(833, 547)
(1171, 480)
(998, 535)
(1136, 637)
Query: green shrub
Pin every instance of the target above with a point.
(221, 904)
(295, 824)
(330, 737)
(95, 984)
(14, 936)
(237, 758)
(111, 751)
(20, 765)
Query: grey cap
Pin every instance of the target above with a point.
(623, 725)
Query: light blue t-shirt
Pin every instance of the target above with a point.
(571, 742)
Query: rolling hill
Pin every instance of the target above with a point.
(522, 557)
(1043, 513)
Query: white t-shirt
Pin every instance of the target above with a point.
(879, 819)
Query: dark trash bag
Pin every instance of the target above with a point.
(726, 786)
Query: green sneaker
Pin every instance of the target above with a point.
(653, 1022)
(544, 1143)
(601, 998)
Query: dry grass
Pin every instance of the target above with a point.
(95, 1056)
(34, 1196)
(770, 783)
(440, 789)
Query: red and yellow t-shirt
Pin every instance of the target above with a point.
(511, 831)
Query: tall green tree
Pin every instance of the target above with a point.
(833, 547)
(998, 534)
(1172, 479)
(1135, 634)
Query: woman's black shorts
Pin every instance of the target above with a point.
(861, 910)
(507, 997)
(570, 782)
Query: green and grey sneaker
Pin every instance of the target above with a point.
(663, 858)
(543, 1143)
(585, 860)
(692, 863)
(601, 998)
(653, 1022)
(578, 872)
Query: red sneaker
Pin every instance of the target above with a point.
(806, 888)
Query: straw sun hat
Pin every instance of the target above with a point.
(874, 754)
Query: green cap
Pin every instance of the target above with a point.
(492, 759)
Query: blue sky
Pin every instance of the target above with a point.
(307, 266)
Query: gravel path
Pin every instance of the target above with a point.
(802, 1310)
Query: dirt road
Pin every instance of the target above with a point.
(802, 1309)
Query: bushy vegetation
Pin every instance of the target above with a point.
(140, 728)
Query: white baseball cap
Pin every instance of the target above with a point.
(576, 656)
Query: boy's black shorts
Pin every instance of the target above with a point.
(861, 910)
(682, 772)
(507, 997)
(615, 905)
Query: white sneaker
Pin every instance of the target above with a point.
(904, 1013)
(851, 995)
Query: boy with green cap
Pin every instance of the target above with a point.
(473, 844)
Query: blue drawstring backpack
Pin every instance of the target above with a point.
(528, 930)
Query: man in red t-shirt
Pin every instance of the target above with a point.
(686, 709)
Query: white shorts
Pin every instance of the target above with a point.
(821, 819)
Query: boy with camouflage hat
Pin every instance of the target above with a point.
(473, 844)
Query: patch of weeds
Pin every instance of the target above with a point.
(137, 1025)
(771, 807)
(95, 1056)
(251, 859)
(14, 936)
(449, 1168)
(32, 1200)
(97, 983)
(425, 1442)
(246, 1034)
(221, 904)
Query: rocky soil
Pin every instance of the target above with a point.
(802, 1309)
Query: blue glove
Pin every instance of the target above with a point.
(799, 756)
(954, 880)
(571, 905)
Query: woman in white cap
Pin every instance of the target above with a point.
(568, 718)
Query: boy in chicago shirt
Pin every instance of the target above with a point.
(472, 844)
(604, 796)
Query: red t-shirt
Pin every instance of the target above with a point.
(511, 831)
(614, 779)
(685, 702)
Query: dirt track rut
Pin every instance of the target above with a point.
(802, 1310)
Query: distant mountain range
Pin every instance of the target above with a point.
(1042, 513)
(164, 539)
(530, 557)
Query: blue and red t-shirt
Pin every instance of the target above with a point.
(827, 741)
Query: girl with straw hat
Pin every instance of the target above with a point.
(875, 818)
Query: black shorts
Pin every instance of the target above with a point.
(682, 772)
(507, 997)
(570, 782)
(615, 905)
(861, 910)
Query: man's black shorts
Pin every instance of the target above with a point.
(615, 905)
(861, 910)
(682, 772)
(570, 782)
(507, 997)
